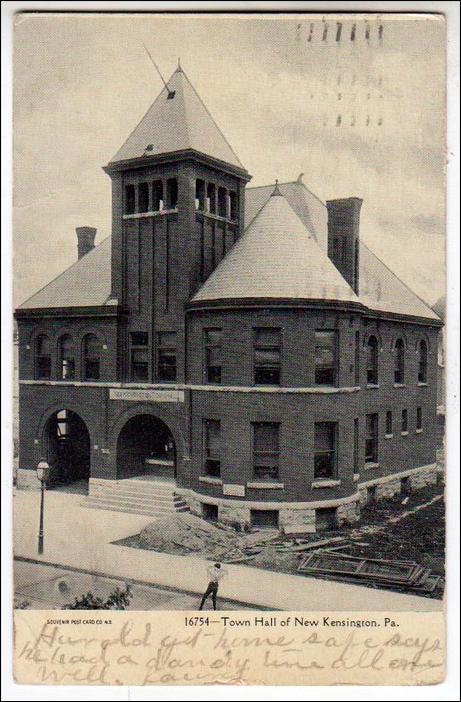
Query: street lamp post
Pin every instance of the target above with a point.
(42, 474)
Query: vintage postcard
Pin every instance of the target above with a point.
(229, 346)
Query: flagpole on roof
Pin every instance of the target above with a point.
(170, 93)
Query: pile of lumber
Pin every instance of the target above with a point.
(403, 575)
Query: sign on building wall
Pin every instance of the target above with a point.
(234, 490)
(146, 395)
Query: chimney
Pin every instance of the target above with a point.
(343, 237)
(85, 239)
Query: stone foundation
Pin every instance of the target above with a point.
(297, 521)
(348, 514)
(388, 489)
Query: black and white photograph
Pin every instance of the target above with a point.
(229, 320)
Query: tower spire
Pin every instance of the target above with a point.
(276, 190)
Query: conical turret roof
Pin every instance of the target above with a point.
(276, 258)
(177, 121)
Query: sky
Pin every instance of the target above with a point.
(363, 118)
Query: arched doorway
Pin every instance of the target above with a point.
(145, 447)
(66, 446)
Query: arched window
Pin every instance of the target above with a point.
(211, 198)
(422, 362)
(199, 194)
(91, 357)
(130, 199)
(372, 361)
(143, 195)
(66, 358)
(233, 205)
(171, 194)
(222, 202)
(42, 357)
(399, 362)
(157, 195)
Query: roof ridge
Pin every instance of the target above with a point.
(362, 243)
(210, 116)
(72, 265)
(142, 119)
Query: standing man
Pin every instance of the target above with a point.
(215, 574)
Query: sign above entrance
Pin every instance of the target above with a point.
(146, 395)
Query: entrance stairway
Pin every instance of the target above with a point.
(137, 496)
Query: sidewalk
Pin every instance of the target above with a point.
(80, 538)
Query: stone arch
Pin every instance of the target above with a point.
(401, 334)
(158, 412)
(65, 442)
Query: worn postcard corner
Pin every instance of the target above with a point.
(229, 349)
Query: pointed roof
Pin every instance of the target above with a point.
(276, 258)
(281, 272)
(311, 211)
(177, 121)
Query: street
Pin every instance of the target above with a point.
(41, 586)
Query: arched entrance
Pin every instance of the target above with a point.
(145, 447)
(66, 446)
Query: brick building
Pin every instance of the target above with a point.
(237, 347)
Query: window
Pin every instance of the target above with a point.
(91, 357)
(143, 195)
(233, 205)
(213, 355)
(200, 195)
(212, 447)
(264, 518)
(422, 362)
(419, 418)
(66, 358)
(371, 438)
(42, 358)
(266, 450)
(209, 512)
(356, 446)
(266, 356)
(325, 449)
(211, 198)
(388, 423)
(404, 420)
(325, 358)
(139, 356)
(167, 356)
(157, 195)
(171, 193)
(222, 202)
(325, 519)
(357, 358)
(399, 362)
(130, 199)
(372, 361)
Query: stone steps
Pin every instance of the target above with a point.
(136, 496)
(114, 506)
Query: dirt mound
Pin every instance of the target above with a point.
(186, 534)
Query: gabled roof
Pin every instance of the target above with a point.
(177, 123)
(85, 283)
(383, 291)
(276, 258)
(379, 288)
